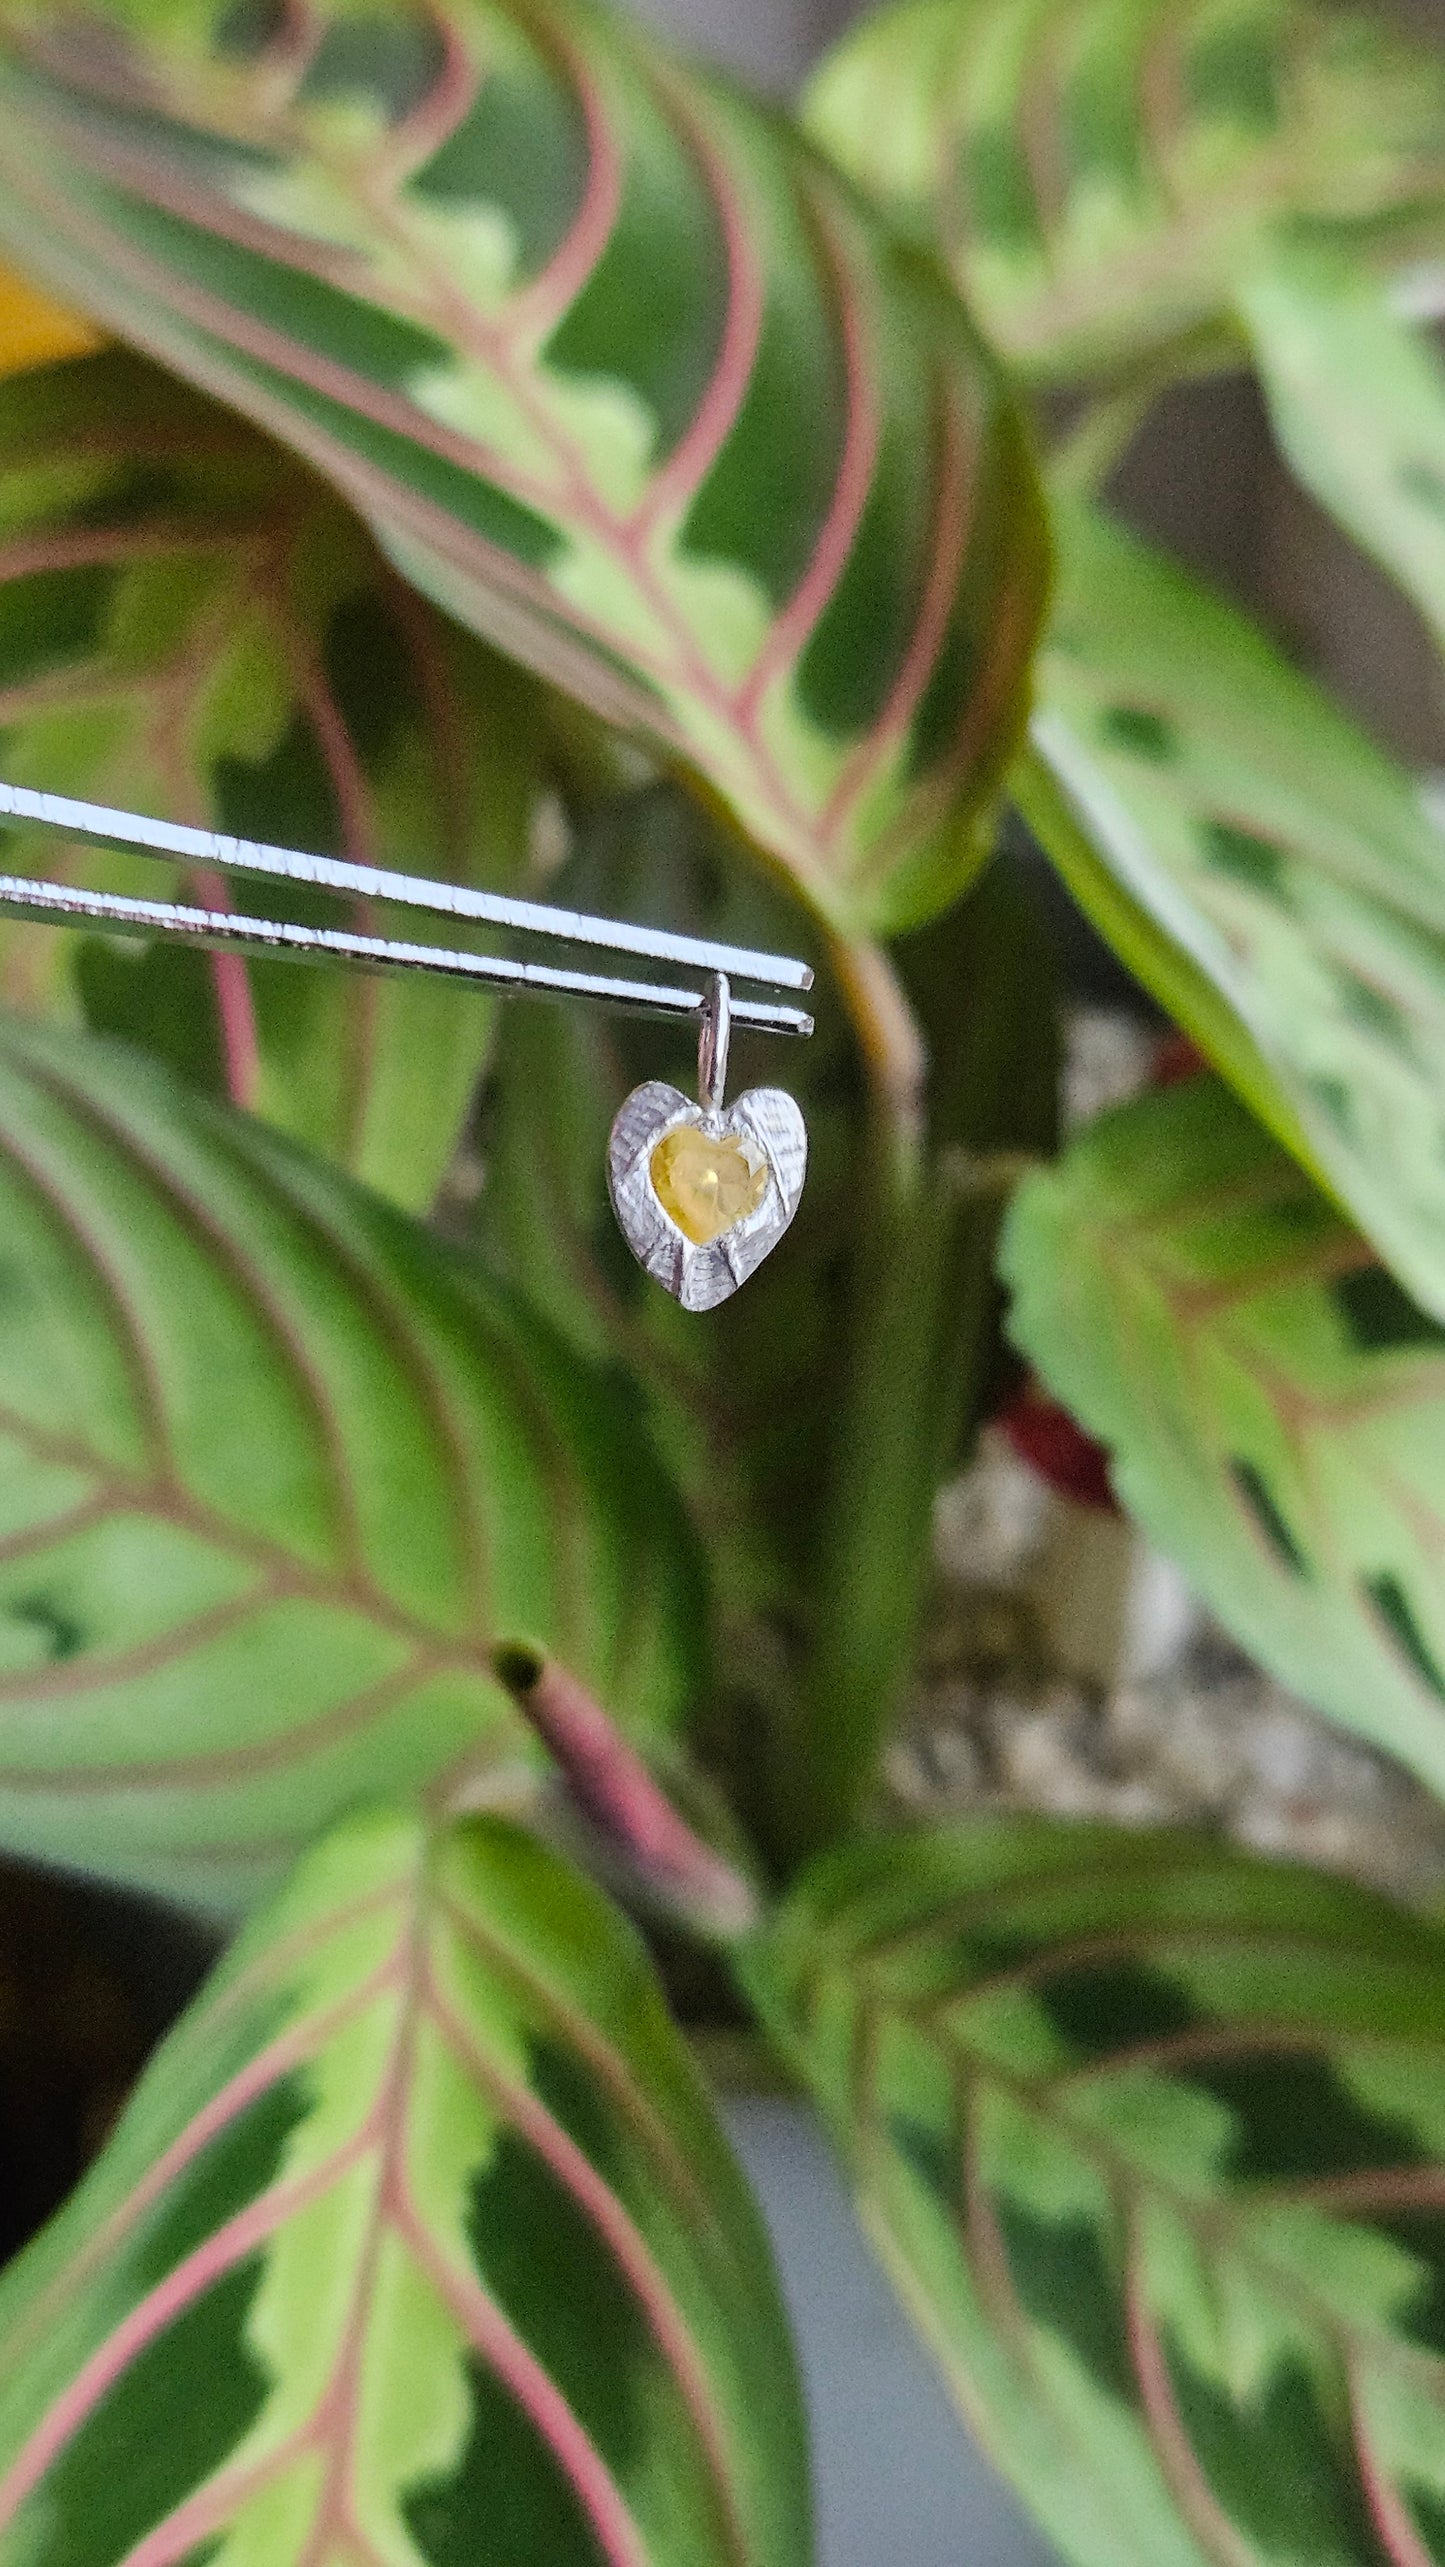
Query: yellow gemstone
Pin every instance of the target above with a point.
(705, 1185)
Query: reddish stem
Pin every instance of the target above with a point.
(609, 1781)
(240, 1044)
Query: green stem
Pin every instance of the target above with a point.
(1083, 460)
(1087, 454)
(883, 1443)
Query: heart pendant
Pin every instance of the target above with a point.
(702, 1194)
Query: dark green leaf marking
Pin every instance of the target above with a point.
(1064, 2281)
(51, 618)
(239, 2164)
(64, 1636)
(291, 785)
(173, 2416)
(998, 189)
(376, 54)
(247, 27)
(1276, 2464)
(1250, 858)
(1142, 733)
(543, 2261)
(375, 345)
(1230, 75)
(652, 313)
(1379, 1315)
(765, 499)
(848, 670)
(1379, 1014)
(1395, 1610)
(1104, 2006)
(510, 2481)
(1269, 1516)
(522, 146)
(1295, 2118)
(1428, 2511)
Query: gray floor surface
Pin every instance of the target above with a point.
(899, 2483)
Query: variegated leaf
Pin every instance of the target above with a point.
(1264, 868)
(619, 373)
(1357, 400)
(191, 626)
(417, 2244)
(1152, 2137)
(1099, 173)
(1273, 1403)
(276, 1472)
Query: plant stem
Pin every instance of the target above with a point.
(613, 1788)
(890, 1044)
(884, 1439)
(1087, 454)
(1083, 460)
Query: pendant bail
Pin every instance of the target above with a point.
(714, 1039)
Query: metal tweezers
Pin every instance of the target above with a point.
(65, 904)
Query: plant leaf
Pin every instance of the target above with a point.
(276, 1471)
(1274, 1404)
(191, 626)
(1152, 2137)
(1098, 174)
(1262, 866)
(617, 371)
(1357, 399)
(418, 2242)
(34, 331)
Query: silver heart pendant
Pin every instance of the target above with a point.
(703, 1194)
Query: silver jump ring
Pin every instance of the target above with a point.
(714, 1038)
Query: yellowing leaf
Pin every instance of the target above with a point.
(34, 331)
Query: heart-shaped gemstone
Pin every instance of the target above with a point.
(701, 1198)
(706, 1183)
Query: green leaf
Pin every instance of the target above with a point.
(617, 370)
(418, 2242)
(1274, 1403)
(1262, 867)
(1099, 173)
(276, 1471)
(190, 626)
(1357, 400)
(1152, 2137)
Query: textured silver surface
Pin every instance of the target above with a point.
(701, 1277)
